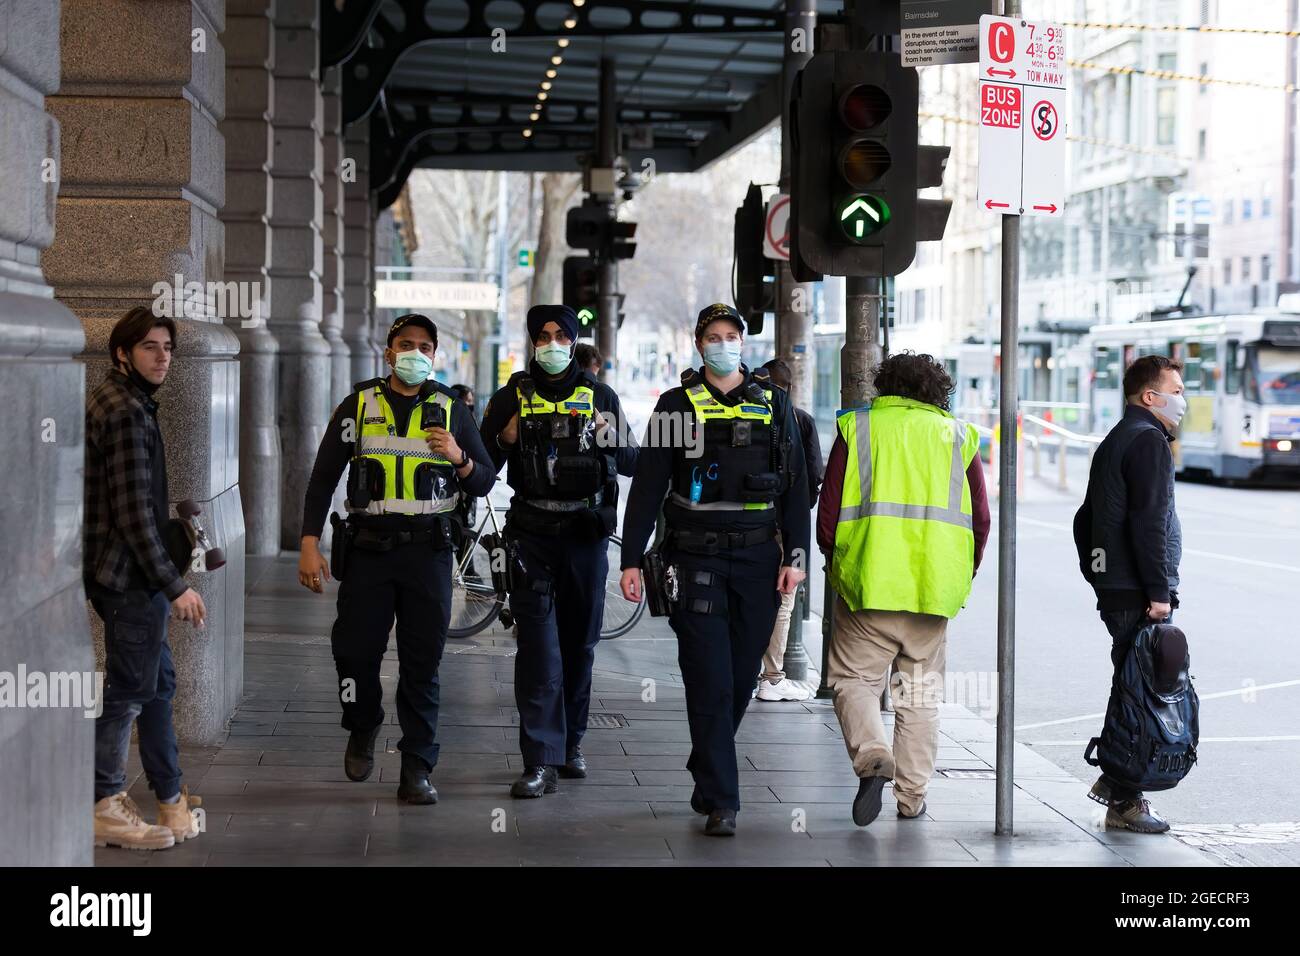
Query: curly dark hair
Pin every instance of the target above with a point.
(918, 377)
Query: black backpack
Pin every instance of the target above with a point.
(1148, 740)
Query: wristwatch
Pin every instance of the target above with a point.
(465, 459)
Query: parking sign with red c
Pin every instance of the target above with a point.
(1002, 42)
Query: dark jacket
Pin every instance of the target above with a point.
(654, 475)
(126, 492)
(1127, 533)
(812, 453)
(334, 454)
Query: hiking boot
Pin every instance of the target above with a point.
(178, 817)
(1135, 815)
(1101, 792)
(118, 823)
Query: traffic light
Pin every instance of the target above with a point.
(853, 208)
(755, 292)
(582, 287)
(584, 226)
(621, 245)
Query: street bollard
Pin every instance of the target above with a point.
(1063, 479)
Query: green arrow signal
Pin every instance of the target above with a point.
(862, 216)
(586, 316)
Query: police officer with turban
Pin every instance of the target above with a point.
(564, 440)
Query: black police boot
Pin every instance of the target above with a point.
(534, 782)
(414, 786)
(721, 822)
(575, 767)
(359, 758)
(866, 805)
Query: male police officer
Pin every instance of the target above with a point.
(564, 437)
(412, 450)
(723, 512)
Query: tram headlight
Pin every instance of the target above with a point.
(1284, 445)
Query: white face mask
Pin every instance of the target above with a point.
(1174, 409)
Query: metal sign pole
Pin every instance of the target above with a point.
(1009, 403)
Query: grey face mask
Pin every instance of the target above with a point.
(1175, 407)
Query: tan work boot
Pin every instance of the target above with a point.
(118, 823)
(178, 818)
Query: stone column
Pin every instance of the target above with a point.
(142, 94)
(249, 44)
(332, 235)
(296, 256)
(46, 787)
(358, 256)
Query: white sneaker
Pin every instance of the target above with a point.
(784, 689)
(118, 823)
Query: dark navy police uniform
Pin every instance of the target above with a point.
(723, 510)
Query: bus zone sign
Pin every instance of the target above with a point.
(1022, 117)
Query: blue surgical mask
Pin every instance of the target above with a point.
(722, 357)
(412, 367)
(553, 358)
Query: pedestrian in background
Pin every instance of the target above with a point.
(589, 359)
(772, 683)
(1129, 538)
(903, 520)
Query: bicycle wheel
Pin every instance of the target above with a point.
(620, 615)
(474, 601)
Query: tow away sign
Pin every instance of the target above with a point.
(1022, 117)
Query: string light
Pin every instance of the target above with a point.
(546, 84)
(570, 23)
(550, 74)
(541, 97)
(528, 133)
(563, 42)
(557, 60)
(534, 116)
(1183, 77)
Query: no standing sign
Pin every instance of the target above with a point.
(1022, 117)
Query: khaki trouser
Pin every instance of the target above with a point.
(864, 645)
(774, 656)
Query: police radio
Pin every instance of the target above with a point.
(188, 544)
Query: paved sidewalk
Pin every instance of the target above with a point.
(275, 794)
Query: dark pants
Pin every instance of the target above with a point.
(413, 583)
(139, 685)
(1123, 627)
(559, 627)
(726, 608)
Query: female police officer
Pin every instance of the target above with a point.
(564, 436)
(728, 495)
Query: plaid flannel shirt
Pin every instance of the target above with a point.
(122, 541)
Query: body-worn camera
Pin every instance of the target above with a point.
(432, 415)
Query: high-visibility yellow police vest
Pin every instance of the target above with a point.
(735, 461)
(401, 457)
(905, 539)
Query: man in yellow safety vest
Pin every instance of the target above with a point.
(903, 520)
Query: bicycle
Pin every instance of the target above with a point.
(476, 602)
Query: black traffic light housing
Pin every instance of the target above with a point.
(584, 226)
(621, 245)
(853, 209)
(582, 288)
(755, 292)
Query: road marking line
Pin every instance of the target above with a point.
(1218, 694)
(1202, 554)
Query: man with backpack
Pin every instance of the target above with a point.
(1129, 539)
